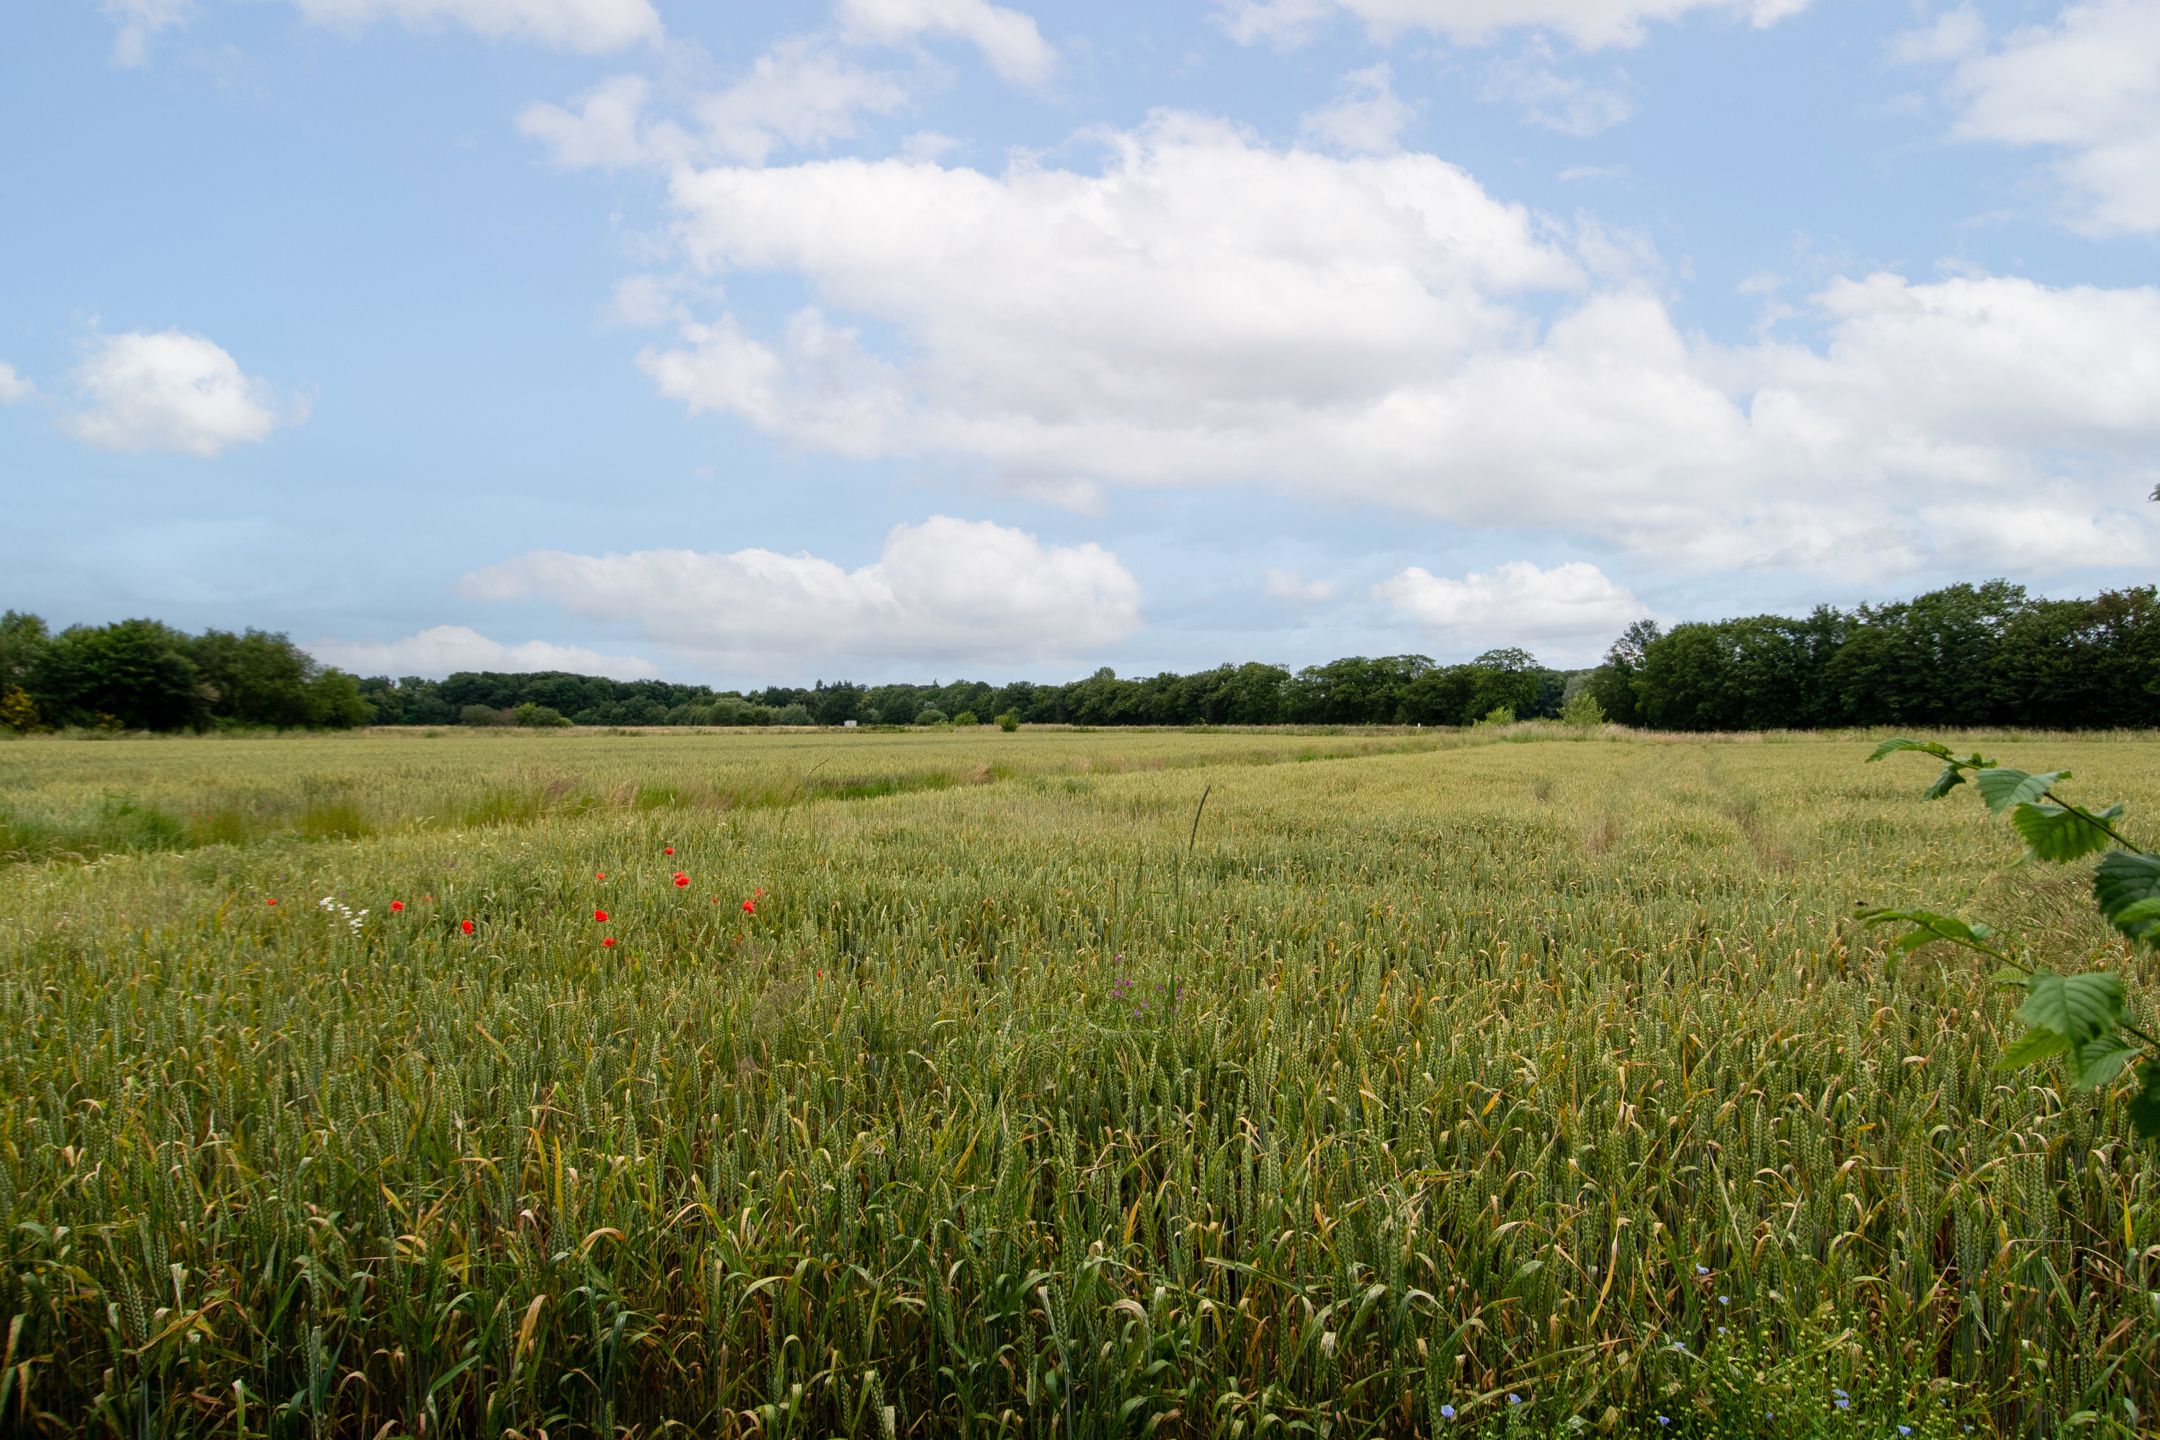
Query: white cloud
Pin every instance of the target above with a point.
(444, 649)
(1366, 117)
(587, 26)
(1290, 585)
(1009, 40)
(800, 94)
(928, 145)
(14, 386)
(1551, 100)
(1204, 310)
(1589, 24)
(2086, 87)
(943, 590)
(169, 390)
(1950, 36)
(1570, 612)
(140, 22)
(605, 132)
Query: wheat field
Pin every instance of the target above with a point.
(963, 1083)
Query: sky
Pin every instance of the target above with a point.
(912, 339)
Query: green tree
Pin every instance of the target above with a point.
(1613, 683)
(135, 673)
(23, 639)
(334, 702)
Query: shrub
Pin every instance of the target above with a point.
(1009, 721)
(540, 717)
(1499, 715)
(930, 715)
(795, 714)
(17, 713)
(966, 717)
(1583, 711)
(483, 715)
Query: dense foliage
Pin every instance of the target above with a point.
(1967, 655)
(1392, 690)
(143, 675)
(1546, 1070)
(1986, 654)
(2082, 1016)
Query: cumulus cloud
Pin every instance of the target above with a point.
(1571, 611)
(445, 649)
(1010, 42)
(944, 590)
(14, 387)
(169, 390)
(1290, 585)
(1202, 309)
(587, 26)
(1366, 117)
(1589, 24)
(140, 22)
(2086, 87)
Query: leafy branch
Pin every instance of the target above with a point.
(2081, 1017)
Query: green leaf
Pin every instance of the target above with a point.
(1930, 927)
(1892, 747)
(2080, 1008)
(1949, 780)
(2003, 788)
(2098, 1062)
(2142, 911)
(2053, 833)
(2145, 1105)
(2124, 881)
(2038, 1043)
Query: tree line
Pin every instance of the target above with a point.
(144, 675)
(1987, 654)
(1964, 655)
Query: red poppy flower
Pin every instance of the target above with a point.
(273, 900)
(396, 905)
(749, 907)
(466, 926)
(682, 881)
(599, 875)
(427, 899)
(609, 943)
(600, 915)
(669, 850)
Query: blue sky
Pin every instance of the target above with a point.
(910, 338)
